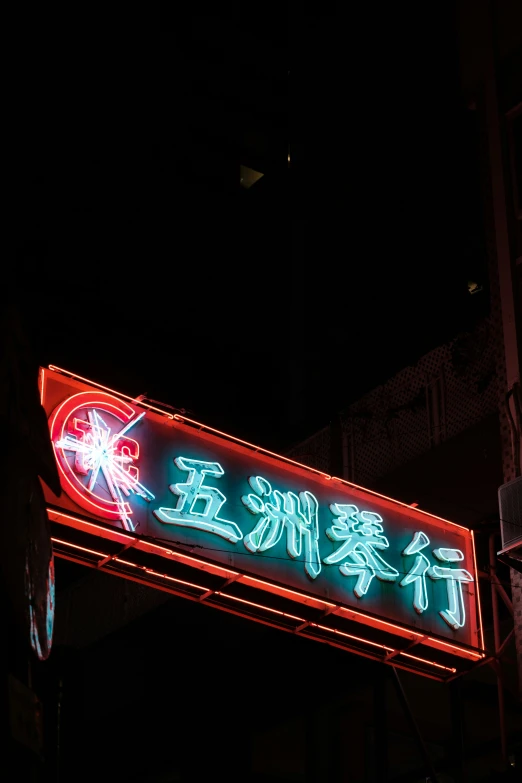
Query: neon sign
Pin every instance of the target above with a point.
(105, 458)
(260, 515)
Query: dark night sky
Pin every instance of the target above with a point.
(265, 313)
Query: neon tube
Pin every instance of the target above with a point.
(245, 579)
(431, 663)
(381, 622)
(261, 606)
(91, 524)
(42, 384)
(82, 548)
(454, 647)
(173, 579)
(478, 590)
(106, 388)
(179, 417)
(351, 636)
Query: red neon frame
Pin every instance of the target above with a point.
(428, 640)
(264, 607)
(61, 416)
(366, 619)
(259, 449)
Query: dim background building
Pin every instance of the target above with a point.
(444, 432)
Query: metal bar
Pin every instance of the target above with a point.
(506, 640)
(257, 619)
(118, 554)
(415, 728)
(405, 649)
(510, 561)
(380, 723)
(477, 665)
(327, 611)
(225, 584)
(502, 593)
(498, 584)
(496, 638)
(458, 729)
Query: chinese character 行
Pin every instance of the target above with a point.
(455, 615)
(417, 573)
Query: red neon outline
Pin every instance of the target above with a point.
(181, 555)
(258, 619)
(246, 578)
(91, 524)
(58, 421)
(144, 544)
(261, 606)
(142, 404)
(179, 417)
(200, 425)
(42, 381)
(454, 647)
(351, 636)
(478, 591)
(384, 647)
(285, 589)
(75, 546)
(382, 622)
(173, 579)
(432, 663)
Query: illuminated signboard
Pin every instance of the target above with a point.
(275, 533)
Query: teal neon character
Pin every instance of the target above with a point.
(361, 534)
(280, 510)
(417, 573)
(455, 615)
(193, 491)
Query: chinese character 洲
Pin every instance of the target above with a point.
(299, 514)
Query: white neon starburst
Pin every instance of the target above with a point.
(100, 456)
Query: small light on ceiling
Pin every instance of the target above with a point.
(474, 287)
(248, 176)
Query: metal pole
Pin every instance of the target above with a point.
(380, 710)
(496, 642)
(413, 723)
(457, 721)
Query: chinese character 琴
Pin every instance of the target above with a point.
(361, 534)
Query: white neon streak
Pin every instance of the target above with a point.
(417, 574)
(99, 448)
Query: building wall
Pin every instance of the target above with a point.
(448, 390)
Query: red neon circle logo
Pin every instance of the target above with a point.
(96, 456)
